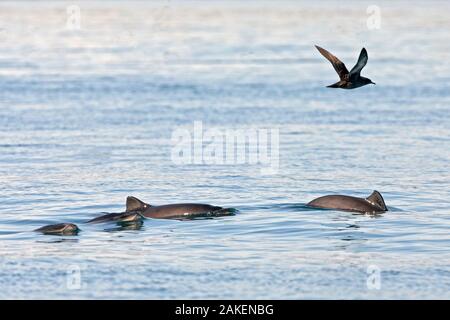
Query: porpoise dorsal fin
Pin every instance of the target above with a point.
(377, 199)
(134, 203)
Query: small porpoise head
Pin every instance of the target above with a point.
(59, 229)
(177, 210)
(372, 204)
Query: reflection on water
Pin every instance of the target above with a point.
(123, 226)
(57, 240)
(86, 119)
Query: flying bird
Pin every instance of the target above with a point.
(348, 80)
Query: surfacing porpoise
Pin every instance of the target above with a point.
(122, 217)
(176, 210)
(59, 229)
(372, 204)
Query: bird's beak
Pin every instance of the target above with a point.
(373, 83)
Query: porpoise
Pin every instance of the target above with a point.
(59, 229)
(372, 204)
(122, 217)
(177, 210)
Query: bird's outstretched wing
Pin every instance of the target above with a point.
(362, 60)
(338, 65)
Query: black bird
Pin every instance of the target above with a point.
(352, 79)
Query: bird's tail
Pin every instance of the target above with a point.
(334, 85)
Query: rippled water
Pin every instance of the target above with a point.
(87, 117)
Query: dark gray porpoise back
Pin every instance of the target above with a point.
(179, 210)
(373, 204)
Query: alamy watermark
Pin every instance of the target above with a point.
(74, 276)
(251, 146)
(73, 21)
(374, 19)
(373, 280)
